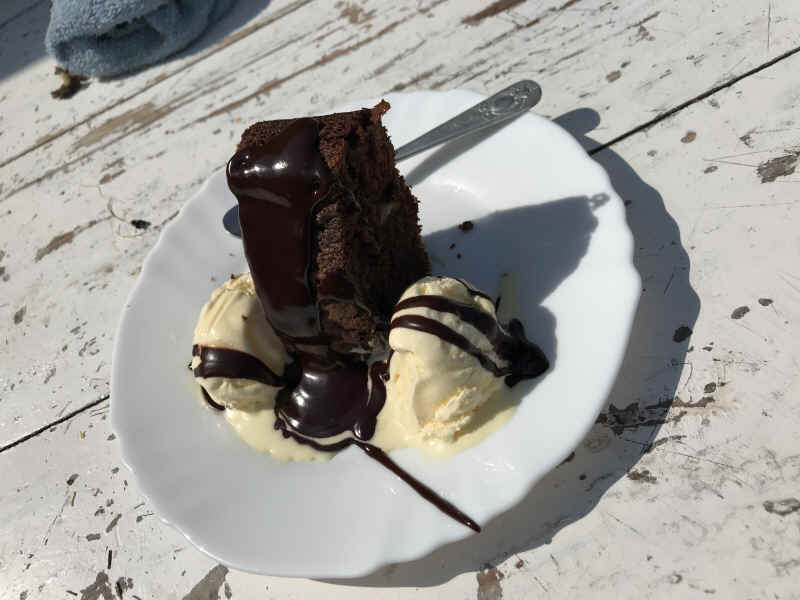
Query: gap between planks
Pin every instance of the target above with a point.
(239, 35)
(58, 421)
(699, 98)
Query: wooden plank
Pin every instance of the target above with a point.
(711, 485)
(22, 40)
(628, 61)
(69, 273)
(633, 509)
(22, 27)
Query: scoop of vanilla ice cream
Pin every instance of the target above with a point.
(440, 384)
(233, 318)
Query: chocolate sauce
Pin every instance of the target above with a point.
(226, 362)
(423, 490)
(525, 359)
(232, 364)
(443, 332)
(304, 415)
(328, 398)
(280, 186)
(210, 401)
(379, 455)
(473, 291)
(364, 427)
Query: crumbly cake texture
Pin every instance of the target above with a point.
(367, 243)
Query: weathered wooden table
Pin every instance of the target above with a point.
(689, 484)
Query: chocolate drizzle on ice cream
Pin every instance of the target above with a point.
(233, 364)
(525, 359)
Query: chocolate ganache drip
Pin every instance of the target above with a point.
(226, 362)
(280, 186)
(525, 359)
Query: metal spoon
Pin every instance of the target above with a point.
(506, 104)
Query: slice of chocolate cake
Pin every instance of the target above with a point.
(330, 228)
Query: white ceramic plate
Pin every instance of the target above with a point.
(544, 212)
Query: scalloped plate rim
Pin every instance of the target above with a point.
(369, 564)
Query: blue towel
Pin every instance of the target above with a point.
(108, 37)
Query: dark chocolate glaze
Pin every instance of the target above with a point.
(423, 490)
(525, 359)
(379, 455)
(210, 401)
(226, 362)
(474, 291)
(304, 415)
(364, 427)
(328, 398)
(280, 186)
(443, 332)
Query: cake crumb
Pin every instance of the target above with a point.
(140, 223)
(738, 313)
(467, 226)
(681, 333)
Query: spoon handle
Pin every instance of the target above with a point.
(505, 104)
